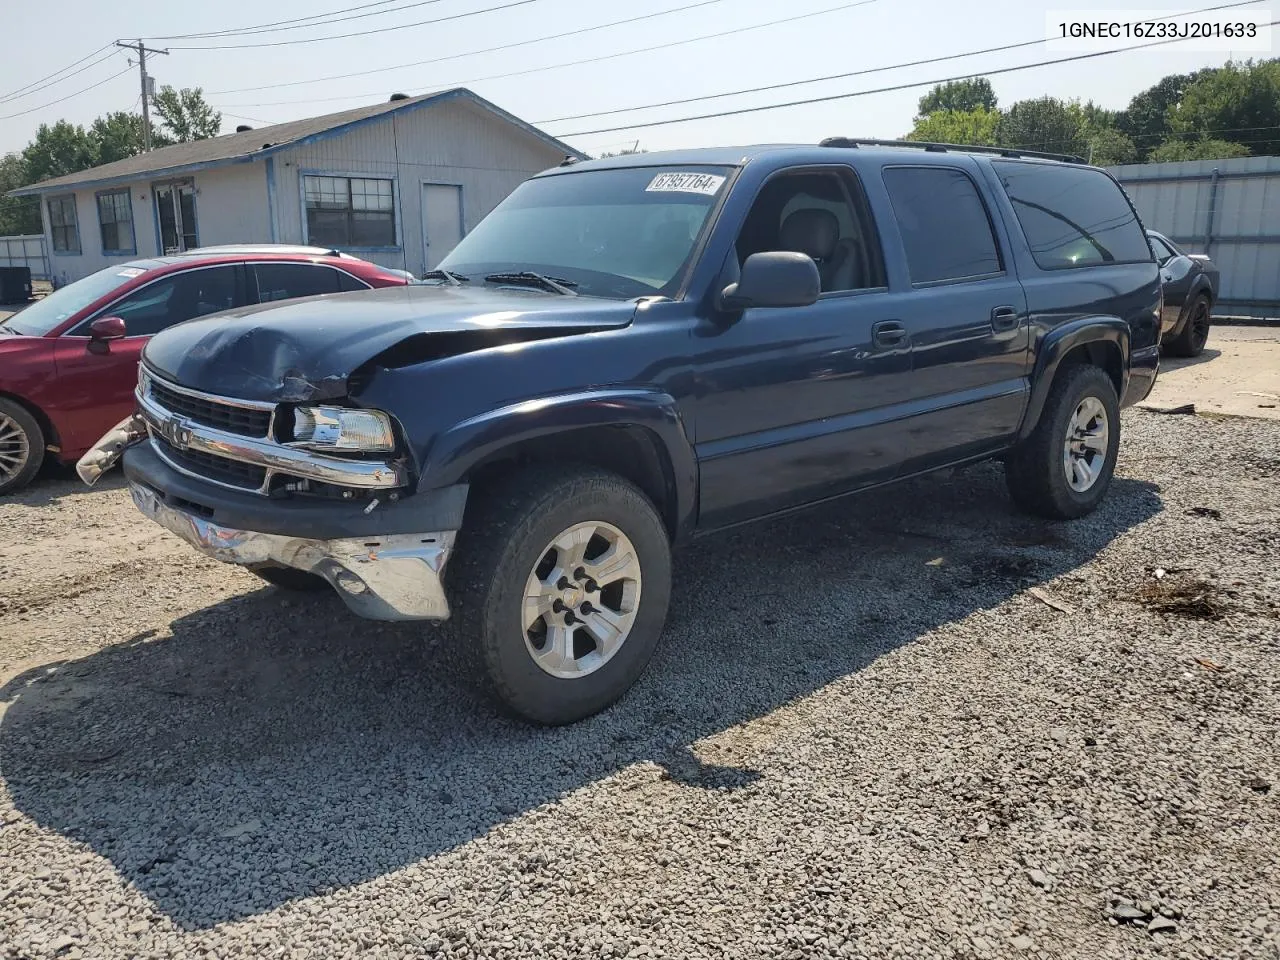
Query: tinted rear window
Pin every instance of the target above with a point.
(1072, 216)
(945, 229)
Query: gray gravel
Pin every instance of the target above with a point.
(864, 735)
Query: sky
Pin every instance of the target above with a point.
(840, 36)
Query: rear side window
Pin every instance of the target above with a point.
(1072, 216)
(347, 283)
(284, 281)
(944, 225)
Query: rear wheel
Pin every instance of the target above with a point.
(21, 446)
(1195, 332)
(562, 579)
(1062, 471)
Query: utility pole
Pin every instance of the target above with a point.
(142, 52)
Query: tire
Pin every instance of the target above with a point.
(1190, 341)
(287, 578)
(21, 446)
(507, 547)
(1038, 470)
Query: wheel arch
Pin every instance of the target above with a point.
(638, 435)
(1100, 341)
(41, 418)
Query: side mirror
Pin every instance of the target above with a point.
(107, 328)
(774, 279)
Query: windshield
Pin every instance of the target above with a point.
(611, 233)
(42, 316)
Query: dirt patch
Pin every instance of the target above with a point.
(1182, 597)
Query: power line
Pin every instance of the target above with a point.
(845, 76)
(863, 93)
(361, 33)
(265, 27)
(14, 94)
(70, 95)
(469, 53)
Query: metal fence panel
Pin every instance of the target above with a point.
(26, 251)
(1229, 209)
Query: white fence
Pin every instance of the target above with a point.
(26, 251)
(1229, 209)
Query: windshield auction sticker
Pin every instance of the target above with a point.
(131, 272)
(704, 183)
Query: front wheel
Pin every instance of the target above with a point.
(1062, 471)
(562, 579)
(21, 446)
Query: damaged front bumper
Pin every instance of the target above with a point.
(395, 577)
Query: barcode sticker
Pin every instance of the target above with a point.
(704, 183)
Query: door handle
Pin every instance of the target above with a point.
(889, 333)
(1004, 318)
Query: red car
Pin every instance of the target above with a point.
(69, 362)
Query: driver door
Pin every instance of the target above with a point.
(96, 379)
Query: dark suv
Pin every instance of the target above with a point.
(633, 350)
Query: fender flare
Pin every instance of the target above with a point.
(456, 451)
(1059, 342)
(1201, 287)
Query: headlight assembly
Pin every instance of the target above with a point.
(340, 429)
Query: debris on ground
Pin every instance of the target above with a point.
(1045, 598)
(1181, 597)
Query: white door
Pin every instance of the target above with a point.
(441, 221)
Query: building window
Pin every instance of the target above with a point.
(115, 219)
(62, 221)
(350, 212)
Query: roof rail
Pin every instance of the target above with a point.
(945, 147)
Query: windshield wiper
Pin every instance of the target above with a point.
(554, 284)
(448, 276)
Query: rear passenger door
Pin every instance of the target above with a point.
(966, 314)
(280, 280)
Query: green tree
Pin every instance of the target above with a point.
(1146, 121)
(1044, 123)
(973, 127)
(185, 115)
(963, 96)
(1197, 150)
(1239, 102)
(117, 136)
(1107, 146)
(58, 150)
(18, 215)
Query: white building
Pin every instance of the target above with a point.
(398, 183)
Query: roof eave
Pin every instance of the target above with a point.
(35, 189)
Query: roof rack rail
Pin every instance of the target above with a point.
(1011, 152)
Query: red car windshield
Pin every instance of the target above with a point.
(44, 315)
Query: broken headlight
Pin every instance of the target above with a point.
(342, 429)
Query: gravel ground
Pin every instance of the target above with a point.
(913, 726)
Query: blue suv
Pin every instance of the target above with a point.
(629, 351)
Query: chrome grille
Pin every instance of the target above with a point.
(233, 473)
(245, 421)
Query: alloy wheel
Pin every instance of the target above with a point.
(581, 600)
(1084, 452)
(15, 448)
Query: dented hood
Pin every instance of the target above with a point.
(304, 350)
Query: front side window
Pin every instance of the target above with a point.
(815, 212)
(350, 211)
(115, 220)
(1161, 249)
(175, 298)
(621, 233)
(62, 222)
(946, 232)
(1072, 216)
